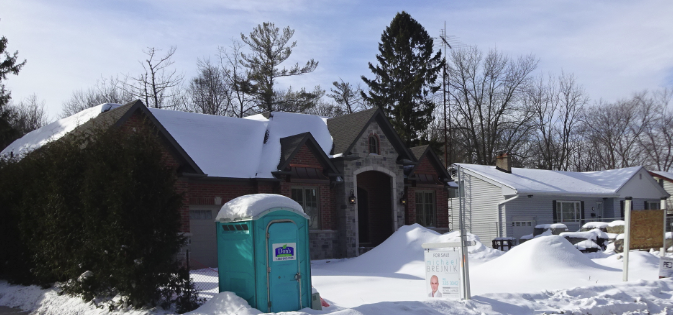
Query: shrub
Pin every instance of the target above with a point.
(98, 211)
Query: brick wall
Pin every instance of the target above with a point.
(425, 166)
(306, 156)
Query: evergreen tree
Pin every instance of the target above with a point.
(269, 49)
(9, 65)
(405, 77)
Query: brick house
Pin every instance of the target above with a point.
(352, 174)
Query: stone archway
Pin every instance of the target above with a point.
(375, 207)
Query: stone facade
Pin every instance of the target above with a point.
(384, 162)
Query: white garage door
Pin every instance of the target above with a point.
(203, 247)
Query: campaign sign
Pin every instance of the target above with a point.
(665, 267)
(284, 251)
(442, 273)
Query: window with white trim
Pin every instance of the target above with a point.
(568, 211)
(425, 208)
(307, 197)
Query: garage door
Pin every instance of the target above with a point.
(203, 247)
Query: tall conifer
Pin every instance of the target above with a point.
(405, 77)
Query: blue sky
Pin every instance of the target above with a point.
(614, 48)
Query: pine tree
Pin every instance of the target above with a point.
(9, 65)
(269, 49)
(405, 77)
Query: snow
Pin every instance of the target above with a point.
(234, 147)
(595, 225)
(253, 206)
(616, 223)
(545, 275)
(220, 146)
(589, 235)
(535, 181)
(586, 244)
(281, 125)
(54, 131)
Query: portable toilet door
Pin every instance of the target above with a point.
(284, 272)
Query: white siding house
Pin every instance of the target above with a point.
(509, 204)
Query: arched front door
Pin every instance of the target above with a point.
(375, 208)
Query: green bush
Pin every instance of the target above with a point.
(98, 212)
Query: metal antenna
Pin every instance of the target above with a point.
(445, 43)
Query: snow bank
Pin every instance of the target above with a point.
(256, 205)
(54, 131)
(402, 252)
(225, 303)
(539, 255)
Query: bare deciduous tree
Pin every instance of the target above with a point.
(28, 114)
(243, 102)
(614, 130)
(209, 92)
(157, 82)
(656, 139)
(487, 106)
(104, 91)
(557, 104)
(347, 96)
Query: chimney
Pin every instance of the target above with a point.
(503, 162)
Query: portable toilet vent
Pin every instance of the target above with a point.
(263, 252)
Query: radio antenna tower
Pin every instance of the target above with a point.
(445, 90)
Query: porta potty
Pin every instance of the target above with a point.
(263, 252)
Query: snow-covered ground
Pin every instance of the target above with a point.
(546, 275)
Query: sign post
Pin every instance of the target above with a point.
(627, 238)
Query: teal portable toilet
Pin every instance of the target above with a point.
(263, 252)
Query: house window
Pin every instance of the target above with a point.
(373, 144)
(307, 197)
(568, 211)
(652, 205)
(425, 208)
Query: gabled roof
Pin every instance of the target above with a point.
(665, 175)
(418, 151)
(422, 151)
(546, 182)
(290, 146)
(347, 129)
(40, 137)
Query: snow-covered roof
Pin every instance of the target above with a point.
(281, 125)
(220, 146)
(54, 131)
(249, 207)
(233, 147)
(535, 181)
(667, 175)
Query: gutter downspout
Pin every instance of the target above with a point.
(499, 231)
